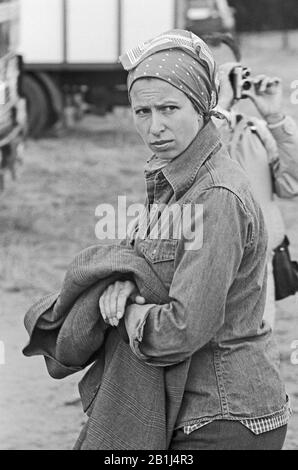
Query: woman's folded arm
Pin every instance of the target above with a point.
(166, 334)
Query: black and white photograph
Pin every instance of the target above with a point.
(149, 227)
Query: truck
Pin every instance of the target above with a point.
(210, 16)
(70, 51)
(12, 105)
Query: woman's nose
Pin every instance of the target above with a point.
(157, 125)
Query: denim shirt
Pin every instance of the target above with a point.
(217, 290)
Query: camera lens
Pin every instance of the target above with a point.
(246, 85)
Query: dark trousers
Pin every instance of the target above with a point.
(228, 435)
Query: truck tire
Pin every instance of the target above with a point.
(38, 107)
(55, 99)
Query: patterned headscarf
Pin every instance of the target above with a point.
(182, 59)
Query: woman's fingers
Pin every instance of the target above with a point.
(274, 85)
(265, 84)
(259, 78)
(102, 308)
(276, 81)
(122, 299)
(128, 288)
(107, 296)
(113, 301)
(138, 299)
(107, 303)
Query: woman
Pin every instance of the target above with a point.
(234, 397)
(267, 151)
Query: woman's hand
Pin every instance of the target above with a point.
(113, 301)
(266, 94)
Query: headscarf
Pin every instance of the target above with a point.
(182, 59)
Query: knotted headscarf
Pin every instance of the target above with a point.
(182, 59)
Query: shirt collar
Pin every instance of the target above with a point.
(181, 172)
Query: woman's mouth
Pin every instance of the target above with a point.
(161, 144)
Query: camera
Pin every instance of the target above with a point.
(241, 81)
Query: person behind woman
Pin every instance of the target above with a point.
(234, 397)
(267, 150)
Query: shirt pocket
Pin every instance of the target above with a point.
(161, 255)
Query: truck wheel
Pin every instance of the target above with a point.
(38, 108)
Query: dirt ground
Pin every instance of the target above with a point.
(49, 215)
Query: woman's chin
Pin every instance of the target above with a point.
(166, 155)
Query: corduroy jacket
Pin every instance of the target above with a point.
(131, 405)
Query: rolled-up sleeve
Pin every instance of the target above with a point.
(164, 335)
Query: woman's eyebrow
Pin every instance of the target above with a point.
(140, 106)
(168, 102)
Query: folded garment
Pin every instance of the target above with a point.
(130, 404)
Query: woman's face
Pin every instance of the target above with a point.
(164, 117)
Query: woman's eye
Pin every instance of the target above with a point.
(142, 112)
(169, 108)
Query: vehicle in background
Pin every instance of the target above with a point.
(70, 50)
(210, 16)
(12, 106)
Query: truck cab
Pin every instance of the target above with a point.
(12, 106)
